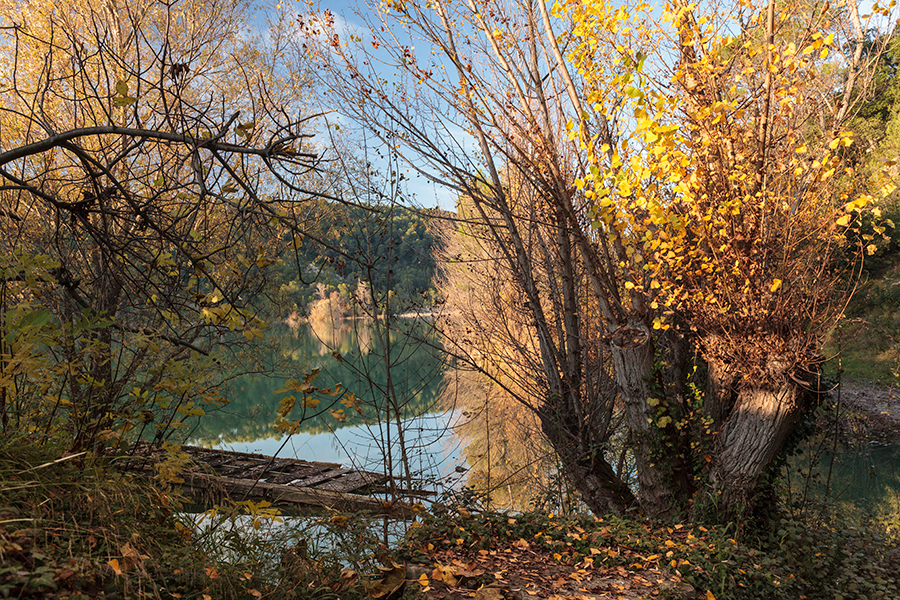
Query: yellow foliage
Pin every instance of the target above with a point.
(716, 177)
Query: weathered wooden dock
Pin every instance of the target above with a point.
(213, 474)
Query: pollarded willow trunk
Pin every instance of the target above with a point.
(586, 468)
(663, 476)
(720, 392)
(750, 439)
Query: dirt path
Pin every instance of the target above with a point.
(524, 571)
(874, 399)
(870, 411)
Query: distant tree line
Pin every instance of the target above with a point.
(385, 251)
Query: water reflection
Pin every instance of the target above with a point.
(394, 376)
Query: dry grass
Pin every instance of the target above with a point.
(72, 526)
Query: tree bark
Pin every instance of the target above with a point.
(587, 469)
(749, 441)
(661, 474)
(720, 393)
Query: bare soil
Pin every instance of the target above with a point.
(869, 412)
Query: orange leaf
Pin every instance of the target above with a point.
(709, 595)
(114, 563)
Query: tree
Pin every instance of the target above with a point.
(733, 211)
(153, 168)
(660, 206)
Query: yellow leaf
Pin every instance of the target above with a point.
(423, 580)
(340, 520)
(709, 595)
(843, 221)
(775, 285)
(871, 249)
(114, 563)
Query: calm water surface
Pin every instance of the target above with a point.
(406, 364)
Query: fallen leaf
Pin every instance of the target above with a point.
(445, 574)
(114, 563)
(393, 579)
(488, 593)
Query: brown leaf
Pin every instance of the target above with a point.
(393, 579)
(114, 563)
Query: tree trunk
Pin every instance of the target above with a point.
(749, 441)
(587, 469)
(720, 396)
(662, 478)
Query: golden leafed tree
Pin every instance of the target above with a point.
(152, 168)
(657, 195)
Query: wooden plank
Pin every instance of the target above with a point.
(285, 478)
(314, 479)
(352, 481)
(249, 488)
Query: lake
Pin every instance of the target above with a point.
(864, 478)
(391, 374)
(407, 366)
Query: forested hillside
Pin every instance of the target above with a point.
(357, 248)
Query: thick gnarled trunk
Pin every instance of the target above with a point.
(588, 470)
(749, 441)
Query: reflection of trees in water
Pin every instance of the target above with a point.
(508, 456)
(292, 352)
(364, 340)
(326, 320)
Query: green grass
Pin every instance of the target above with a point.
(866, 345)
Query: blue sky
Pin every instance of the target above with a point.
(349, 19)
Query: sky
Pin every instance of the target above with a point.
(350, 17)
(349, 20)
